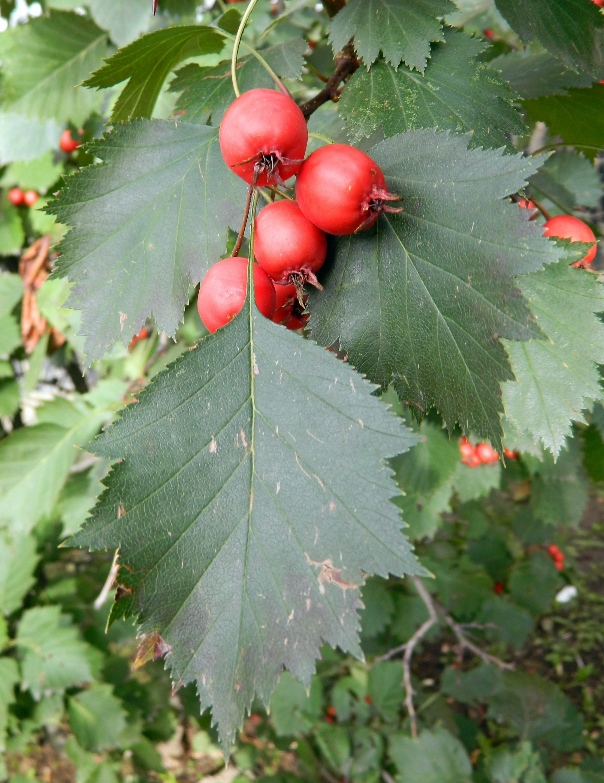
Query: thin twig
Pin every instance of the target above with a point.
(346, 64)
(246, 214)
(541, 208)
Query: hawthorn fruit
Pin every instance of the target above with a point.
(223, 291)
(342, 190)
(570, 227)
(263, 137)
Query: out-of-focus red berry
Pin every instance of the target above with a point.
(509, 454)
(30, 197)
(498, 588)
(488, 33)
(486, 453)
(16, 197)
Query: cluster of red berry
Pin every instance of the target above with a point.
(19, 198)
(339, 190)
(68, 144)
(557, 556)
(481, 453)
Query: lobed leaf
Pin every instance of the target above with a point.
(402, 29)
(455, 93)
(250, 500)
(533, 75)
(425, 295)
(147, 224)
(146, 63)
(557, 377)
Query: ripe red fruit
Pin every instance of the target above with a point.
(16, 197)
(498, 588)
(553, 550)
(569, 227)
(223, 291)
(467, 449)
(263, 134)
(488, 33)
(509, 454)
(287, 245)
(68, 144)
(599, 3)
(341, 190)
(30, 197)
(486, 453)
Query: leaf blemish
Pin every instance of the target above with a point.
(213, 446)
(123, 319)
(329, 574)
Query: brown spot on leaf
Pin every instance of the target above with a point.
(150, 648)
(328, 573)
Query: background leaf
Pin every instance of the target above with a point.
(557, 377)
(124, 20)
(96, 718)
(435, 757)
(423, 295)
(148, 223)
(146, 63)
(292, 584)
(455, 93)
(401, 29)
(44, 61)
(207, 92)
(18, 561)
(570, 29)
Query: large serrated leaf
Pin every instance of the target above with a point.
(578, 116)
(44, 61)
(558, 376)
(570, 29)
(124, 20)
(251, 500)
(207, 92)
(533, 75)
(455, 93)
(401, 29)
(147, 224)
(146, 63)
(425, 295)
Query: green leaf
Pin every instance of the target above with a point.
(593, 453)
(146, 63)
(423, 296)
(148, 223)
(9, 677)
(45, 60)
(513, 624)
(570, 29)
(534, 583)
(125, 20)
(34, 464)
(293, 710)
(18, 562)
(455, 93)
(476, 685)
(538, 710)
(578, 117)
(22, 138)
(385, 687)
(207, 92)
(291, 584)
(11, 292)
(12, 234)
(96, 718)
(561, 490)
(567, 181)
(52, 655)
(557, 377)
(435, 757)
(520, 766)
(424, 475)
(474, 483)
(401, 29)
(38, 174)
(378, 607)
(534, 74)
(10, 338)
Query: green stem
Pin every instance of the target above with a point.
(321, 137)
(242, 24)
(260, 59)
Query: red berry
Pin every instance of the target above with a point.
(488, 33)
(467, 449)
(68, 144)
(498, 588)
(223, 291)
(569, 227)
(287, 245)
(331, 711)
(289, 311)
(526, 204)
(142, 335)
(16, 197)
(599, 3)
(472, 462)
(509, 454)
(263, 133)
(342, 190)
(559, 564)
(30, 197)
(368, 699)
(553, 550)
(486, 453)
